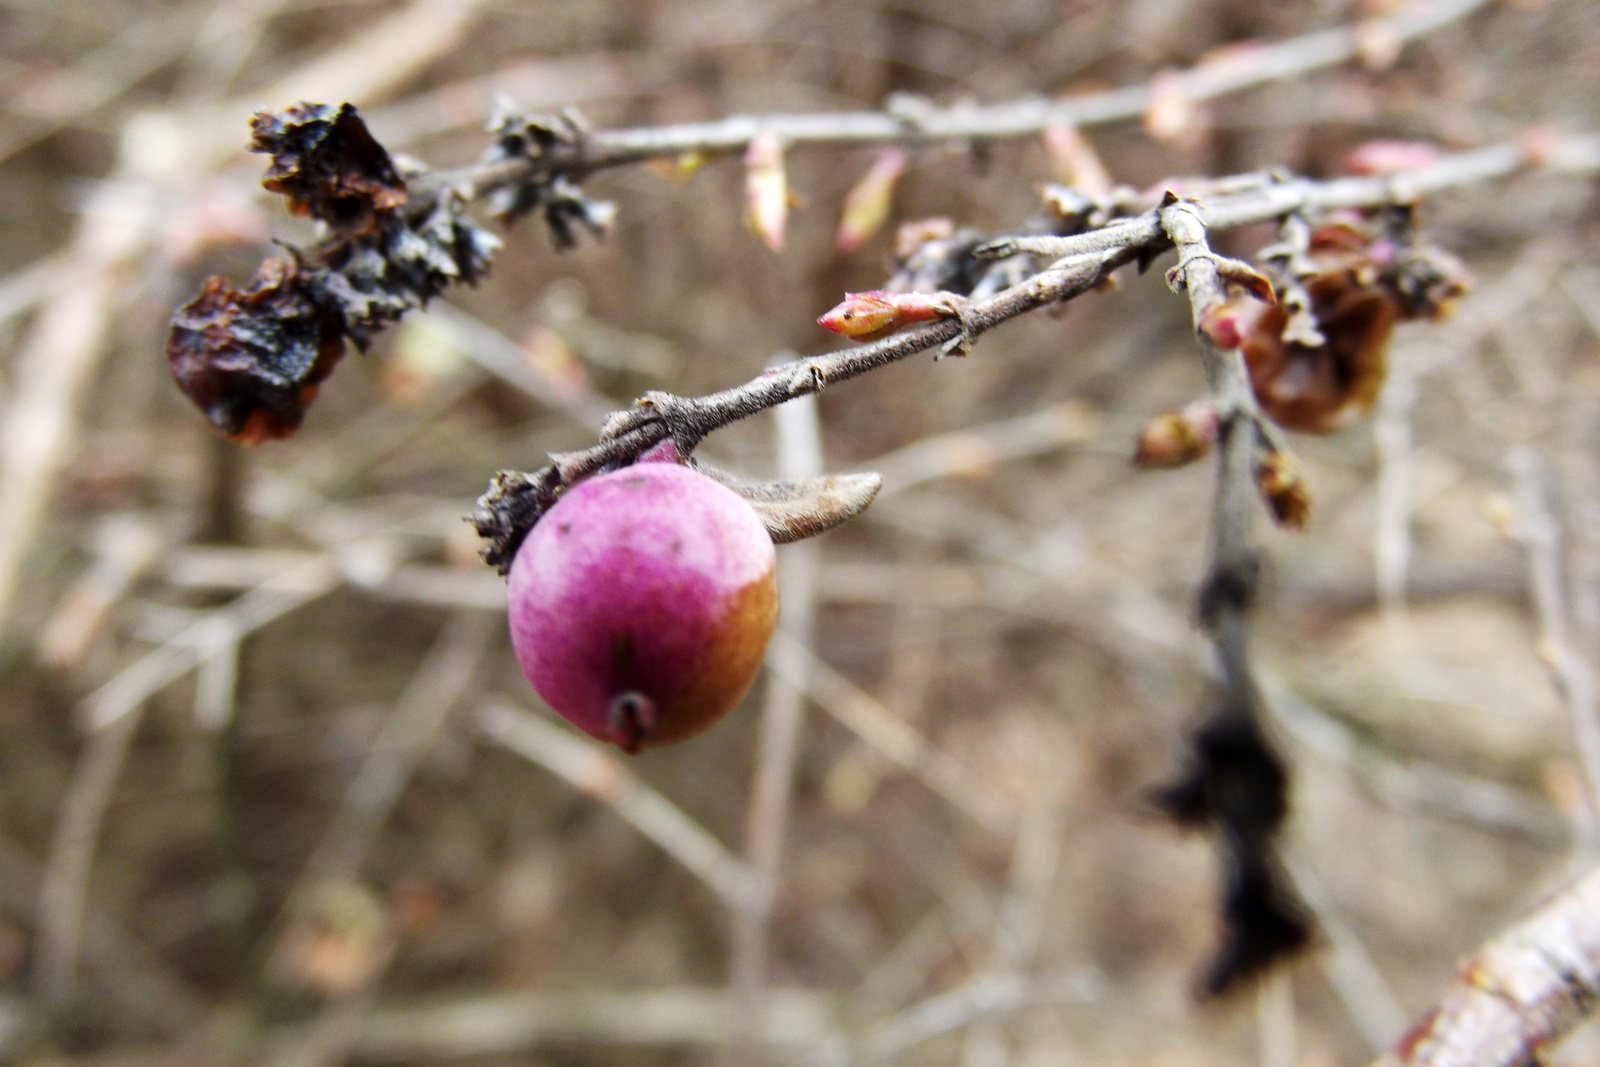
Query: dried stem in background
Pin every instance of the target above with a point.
(1540, 533)
(799, 440)
(595, 772)
(912, 120)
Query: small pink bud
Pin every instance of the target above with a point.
(1074, 160)
(641, 603)
(766, 189)
(1221, 325)
(1390, 157)
(867, 204)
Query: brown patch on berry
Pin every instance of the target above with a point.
(732, 658)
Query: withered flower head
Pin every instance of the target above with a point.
(251, 359)
(1314, 375)
(328, 165)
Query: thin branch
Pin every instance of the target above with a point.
(1019, 924)
(66, 96)
(274, 597)
(892, 737)
(113, 712)
(985, 997)
(913, 120)
(503, 1023)
(1523, 990)
(1276, 1037)
(1082, 263)
(1540, 533)
(438, 684)
(508, 361)
(977, 448)
(126, 969)
(1391, 433)
(55, 362)
(1349, 967)
(595, 772)
(1236, 784)
(1414, 785)
(63, 898)
(1233, 562)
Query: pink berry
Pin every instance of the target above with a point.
(641, 603)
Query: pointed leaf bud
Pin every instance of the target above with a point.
(1074, 161)
(766, 190)
(867, 204)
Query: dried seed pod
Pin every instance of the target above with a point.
(641, 603)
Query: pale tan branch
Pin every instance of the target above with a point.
(1523, 990)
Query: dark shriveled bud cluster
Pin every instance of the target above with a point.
(251, 359)
(547, 145)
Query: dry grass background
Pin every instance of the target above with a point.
(1030, 616)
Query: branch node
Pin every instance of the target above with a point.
(1230, 586)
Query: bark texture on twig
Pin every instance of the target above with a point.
(1524, 989)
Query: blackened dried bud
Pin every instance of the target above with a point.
(1428, 281)
(508, 509)
(372, 282)
(328, 165)
(251, 359)
(931, 256)
(445, 248)
(566, 208)
(521, 135)
(1238, 786)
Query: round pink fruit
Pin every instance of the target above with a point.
(641, 603)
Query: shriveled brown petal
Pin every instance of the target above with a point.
(328, 165)
(251, 359)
